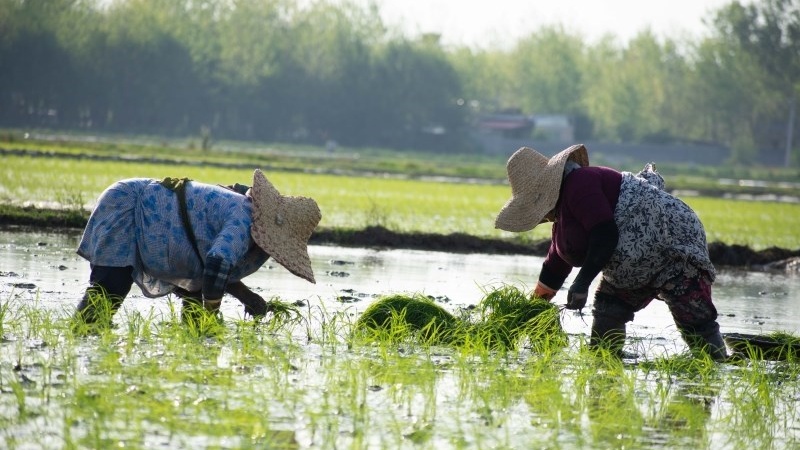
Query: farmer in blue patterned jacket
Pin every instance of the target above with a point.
(193, 239)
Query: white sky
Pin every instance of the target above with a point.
(501, 22)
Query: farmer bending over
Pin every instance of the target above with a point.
(647, 243)
(196, 240)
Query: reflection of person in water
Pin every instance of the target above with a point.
(687, 413)
(620, 418)
(647, 244)
(193, 239)
(614, 416)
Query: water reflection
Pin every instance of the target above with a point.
(42, 266)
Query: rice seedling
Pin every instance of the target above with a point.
(153, 381)
(508, 314)
(396, 317)
(499, 322)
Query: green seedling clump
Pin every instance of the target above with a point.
(507, 315)
(502, 318)
(401, 315)
(777, 346)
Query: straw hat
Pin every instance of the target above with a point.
(282, 225)
(535, 183)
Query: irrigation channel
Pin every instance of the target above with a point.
(41, 268)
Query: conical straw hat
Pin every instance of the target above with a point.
(535, 183)
(282, 225)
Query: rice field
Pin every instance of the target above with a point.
(355, 202)
(306, 380)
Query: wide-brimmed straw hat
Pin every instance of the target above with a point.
(282, 225)
(535, 183)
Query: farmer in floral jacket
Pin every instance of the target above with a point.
(647, 243)
(193, 239)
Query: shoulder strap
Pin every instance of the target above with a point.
(178, 185)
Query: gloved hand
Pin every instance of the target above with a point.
(257, 308)
(577, 295)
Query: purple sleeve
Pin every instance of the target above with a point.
(554, 269)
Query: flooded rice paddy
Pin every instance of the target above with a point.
(323, 394)
(43, 267)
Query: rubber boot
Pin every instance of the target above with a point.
(108, 288)
(608, 334)
(97, 307)
(705, 339)
(608, 327)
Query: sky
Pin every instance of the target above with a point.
(485, 23)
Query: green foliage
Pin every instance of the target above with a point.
(549, 68)
(751, 223)
(32, 216)
(285, 70)
(776, 346)
(402, 205)
(767, 33)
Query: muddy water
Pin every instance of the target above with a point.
(43, 267)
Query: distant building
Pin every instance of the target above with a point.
(508, 129)
(504, 132)
(553, 128)
(506, 125)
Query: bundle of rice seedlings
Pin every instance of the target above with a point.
(398, 316)
(776, 346)
(508, 314)
(502, 318)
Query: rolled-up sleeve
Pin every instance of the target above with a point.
(554, 269)
(215, 277)
(227, 252)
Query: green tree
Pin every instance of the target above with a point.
(769, 31)
(548, 72)
(727, 97)
(253, 67)
(486, 78)
(38, 74)
(331, 57)
(635, 93)
(145, 75)
(418, 94)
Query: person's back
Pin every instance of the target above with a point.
(198, 240)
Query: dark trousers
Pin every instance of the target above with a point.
(108, 288)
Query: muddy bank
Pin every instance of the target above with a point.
(721, 254)
(379, 237)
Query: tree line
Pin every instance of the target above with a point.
(289, 70)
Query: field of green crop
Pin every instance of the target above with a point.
(354, 202)
(308, 381)
(311, 383)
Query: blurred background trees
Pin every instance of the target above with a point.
(313, 72)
